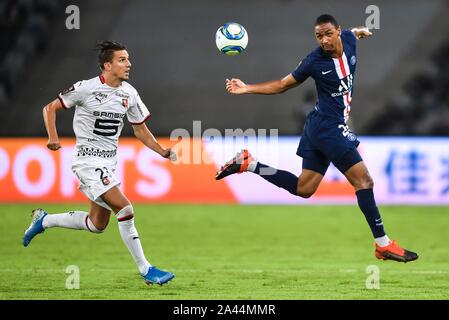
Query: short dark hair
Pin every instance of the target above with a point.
(106, 51)
(326, 18)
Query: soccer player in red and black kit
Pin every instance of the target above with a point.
(326, 138)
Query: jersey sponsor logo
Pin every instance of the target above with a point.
(122, 94)
(86, 151)
(100, 96)
(345, 87)
(112, 115)
(106, 127)
(339, 94)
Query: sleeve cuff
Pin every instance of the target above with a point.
(62, 101)
(146, 118)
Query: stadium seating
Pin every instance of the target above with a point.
(181, 75)
(24, 29)
(423, 106)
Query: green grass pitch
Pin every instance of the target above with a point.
(230, 252)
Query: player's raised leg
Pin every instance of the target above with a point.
(304, 186)
(125, 216)
(386, 249)
(244, 161)
(95, 221)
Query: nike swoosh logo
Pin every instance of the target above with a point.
(325, 72)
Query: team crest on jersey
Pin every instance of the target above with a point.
(125, 102)
(351, 137)
(105, 181)
(353, 60)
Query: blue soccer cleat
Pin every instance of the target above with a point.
(35, 226)
(156, 276)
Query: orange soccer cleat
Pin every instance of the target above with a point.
(238, 164)
(394, 252)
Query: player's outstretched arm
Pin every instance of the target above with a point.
(49, 114)
(237, 86)
(142, 133)
(361, 32)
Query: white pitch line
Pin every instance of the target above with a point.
(235, 270)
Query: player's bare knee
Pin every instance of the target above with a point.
(305, 192)
(100, 229)
(367, 183)
(305, 195)
(126, 213)
(95, 227)
(370, 185)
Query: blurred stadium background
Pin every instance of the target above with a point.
(400, 108)
(401, 79)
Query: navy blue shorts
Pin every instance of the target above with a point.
(325, 140)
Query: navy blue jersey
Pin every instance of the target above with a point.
(333, 77)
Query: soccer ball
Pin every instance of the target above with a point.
(231, 38)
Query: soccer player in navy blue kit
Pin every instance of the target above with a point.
(326, 137)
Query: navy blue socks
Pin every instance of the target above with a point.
(367, 204)
(280, 178)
